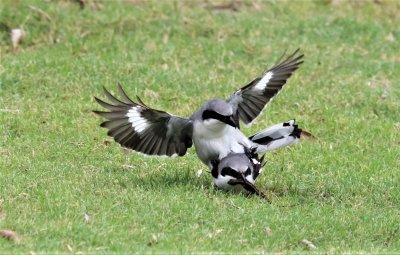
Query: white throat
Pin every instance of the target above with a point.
(210, 128)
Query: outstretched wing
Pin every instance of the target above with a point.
(143, 129)
(249, 101)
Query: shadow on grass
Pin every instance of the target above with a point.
(185, 178)
(168, 180)
(161, 179)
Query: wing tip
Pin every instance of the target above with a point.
(97, 112)
(99, 101)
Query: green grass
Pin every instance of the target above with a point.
(341, 192)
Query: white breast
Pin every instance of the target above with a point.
(213, 142)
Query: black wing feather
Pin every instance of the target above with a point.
(139, 127)
(250, 100)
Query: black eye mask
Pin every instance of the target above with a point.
(229, 171)
(207, 114)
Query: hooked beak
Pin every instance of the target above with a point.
(230, 121)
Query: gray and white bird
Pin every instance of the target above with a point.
(238, 171)
(213, 129)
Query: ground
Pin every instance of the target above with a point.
(67, 187)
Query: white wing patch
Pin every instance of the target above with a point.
(284, 141)
(255, 161)
(138, 122)
(262, 84)
(276, 131)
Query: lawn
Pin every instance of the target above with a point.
(65, 188)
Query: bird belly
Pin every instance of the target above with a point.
(211, 146)
(208, 150)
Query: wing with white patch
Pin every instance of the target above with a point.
(249, 101)
(141, 128)
(278, 136)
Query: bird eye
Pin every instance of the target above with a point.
(207, 114)
(227, 118)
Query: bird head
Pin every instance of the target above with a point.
(218, 113)
(236, 167)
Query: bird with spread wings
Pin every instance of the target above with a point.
(214, 128)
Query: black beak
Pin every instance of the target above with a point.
(230, 121)
(247, 186)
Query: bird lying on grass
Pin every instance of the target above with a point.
(238, 171)
(213, 129)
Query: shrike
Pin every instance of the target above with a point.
(213, 129)
(238, 171)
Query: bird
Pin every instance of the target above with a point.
(238, 171)
(214, 128)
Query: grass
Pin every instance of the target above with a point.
(340, 192)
